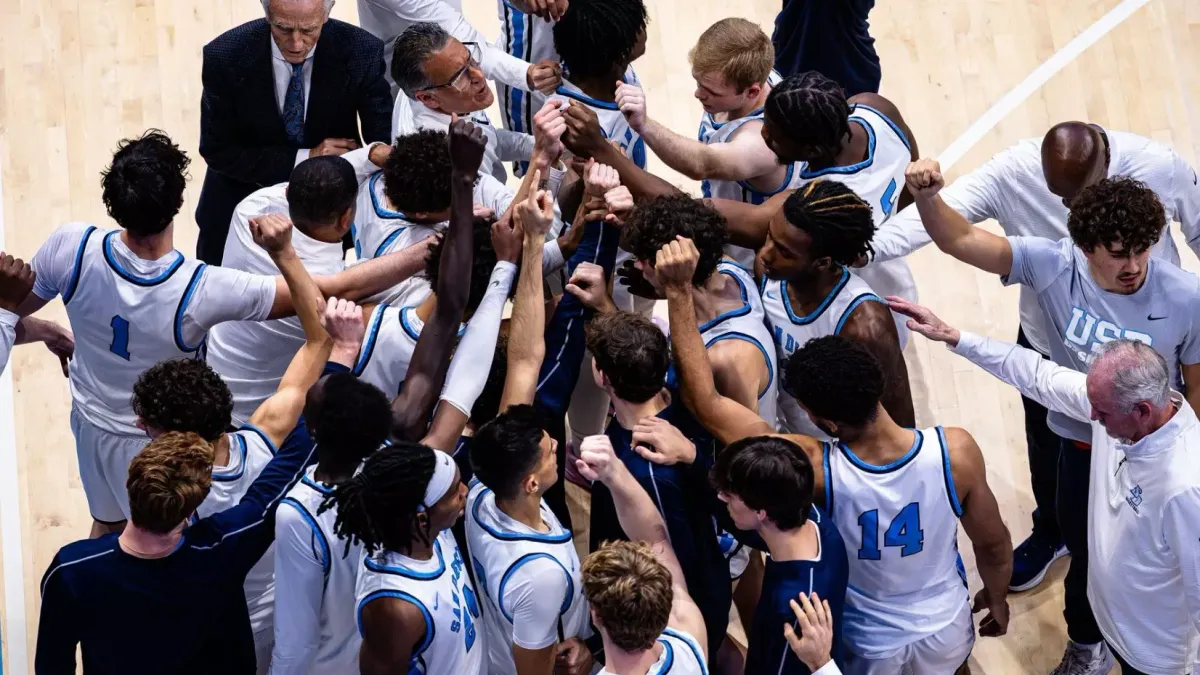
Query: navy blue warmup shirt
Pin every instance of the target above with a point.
(831, 37)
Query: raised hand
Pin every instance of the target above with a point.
(924, 178)
(619, 202)
(506, 241)
(584, 137)
(544, 76)
(631, 99)
(572, 658)
(815, 641)
(629, 276)
(675, 264)
(272, 232)
(598, 179)
(597, 460)
(467, 144)
(658, 441)
(587, 283)
(922, 320)
(16, 281)
(535, 214)
(548, 128)
(995, 622)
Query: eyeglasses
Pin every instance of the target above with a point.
(462, 79)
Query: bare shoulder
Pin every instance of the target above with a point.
(871, 321)
(811, 446)
(879, 103)
(966, 459)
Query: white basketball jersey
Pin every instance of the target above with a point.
(499, 546)
(337, 651)
(900, 525)
(681, 655)
(441, 588)
(747, 323)
(792, 331)
(388, 346)
(712, 132)
(879, 180)
(123, 324)
(249, 452)
(531, 39)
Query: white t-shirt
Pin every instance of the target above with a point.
(8, 335)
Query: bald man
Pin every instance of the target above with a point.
(1026, 189)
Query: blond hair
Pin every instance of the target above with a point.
(168, 480)
(630, 593)
(737, 49)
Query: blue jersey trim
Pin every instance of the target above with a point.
(381, 210)
(219, 476)
(412, 332)
(827, 471)
(130, 276)
(513, 536)
(383, 247)
(948, 473)
(430, 628)
(527, 558)
(318, 537)
(77, 267)
(865, 297)
(261, 434)
(584, 98)
(668, 658)
(754, 341)
(182, 308)
(895, 127)
(402, 571)
(816, 313)
(851, 168)
(368, 348)
(322, 489)
(787, 180)
(733, 313)
(691, 643)
(918, 439)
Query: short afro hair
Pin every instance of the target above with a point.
(320, 190)
(353, 419)
(596, 37)
(482, 262)
(143, 187)
(837, 220)
(657, 222)
(768, 473)
(506, 450)
(835, 378)
(183, 395)
(632, 353)
(417, 173)
(811, 109)
(1117, 210)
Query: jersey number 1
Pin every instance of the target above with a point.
(120, 341)
(905, 532)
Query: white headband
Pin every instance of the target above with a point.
(442, 479)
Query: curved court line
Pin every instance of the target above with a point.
(1034, 81)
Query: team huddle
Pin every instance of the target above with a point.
(299, 464)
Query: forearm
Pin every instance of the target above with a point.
(747, 222)
(953, 234)
(899, 236)
(686, 155)
(31, 329)
(8, 335)
(526, 337)
(472, 360)
(298, 610)
(370, 277)
(636, 513)
(695, 370)
(641, 183)
(306, 296)
(1058, 388)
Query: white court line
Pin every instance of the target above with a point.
(1034, 81)
(15, 641)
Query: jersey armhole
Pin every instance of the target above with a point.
(754, 341)
(77, 266)
(369, 339)
(320, 545)
(948, 474)
(182, 309)
(568, 596)
(865, 297)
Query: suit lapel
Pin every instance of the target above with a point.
(328, 82)
(260, 81)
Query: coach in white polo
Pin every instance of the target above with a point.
(1144, 511)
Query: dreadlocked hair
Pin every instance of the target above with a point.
(378, 507)
(812, 109)
(596, 37)
(838, 220)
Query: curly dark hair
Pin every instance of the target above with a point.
(1117, 210)
(631, 352)
(596, 37)
(811, 109)
(481, 263)
(143, 187)
(836, 378)
(768, 473)
(505, 450)
(352, 419)
(183, 395)
(654, 224)
(416, 176)
(838, 220)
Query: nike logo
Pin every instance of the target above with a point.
(771, 295)
(436, 599)
(1151, 317)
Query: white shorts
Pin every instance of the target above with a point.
(104, 459)
(939, 654)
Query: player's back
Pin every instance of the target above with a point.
(387, 348)
(441, 588)
(500, 547)
(900, 527)
(681, 655)
(791, 330)
(747, 323)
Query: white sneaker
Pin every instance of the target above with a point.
(1085, 660)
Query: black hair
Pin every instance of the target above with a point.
(631, 352)
(838, 220)
(1117, 210)
(352, 420)
(656, 223)
(410, 52)
(143, 187)
(416, 174)
(378, 507)
(836, 378)
(768, 473)
(183, 395)
(506, 449)
(487, 404)
(482, 262)
(811, 109)
(596, 38)
(320, 190)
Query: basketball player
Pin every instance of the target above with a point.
(1096, 286)
(907, 607)
(133, 301)
(417, 607)
(731, 64)
(1026, 188)
(16, 283)
(636, 590)
(527, 33)
(808, 291)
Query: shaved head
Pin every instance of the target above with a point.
(1074, 155)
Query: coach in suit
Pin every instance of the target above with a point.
(277, 91)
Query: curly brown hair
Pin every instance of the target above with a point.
(168, 480)
(657, 222)
(630, 592)
(1115, 211)
(183, 395)
(632, 353)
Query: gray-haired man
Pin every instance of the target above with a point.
(1144, 525)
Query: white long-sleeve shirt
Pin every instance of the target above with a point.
(8, 335)
(1143, 515)
(1011, 189)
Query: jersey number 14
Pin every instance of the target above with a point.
(905, 532)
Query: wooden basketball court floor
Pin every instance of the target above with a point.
(77, 76)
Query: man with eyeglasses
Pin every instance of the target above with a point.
(255, 128)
